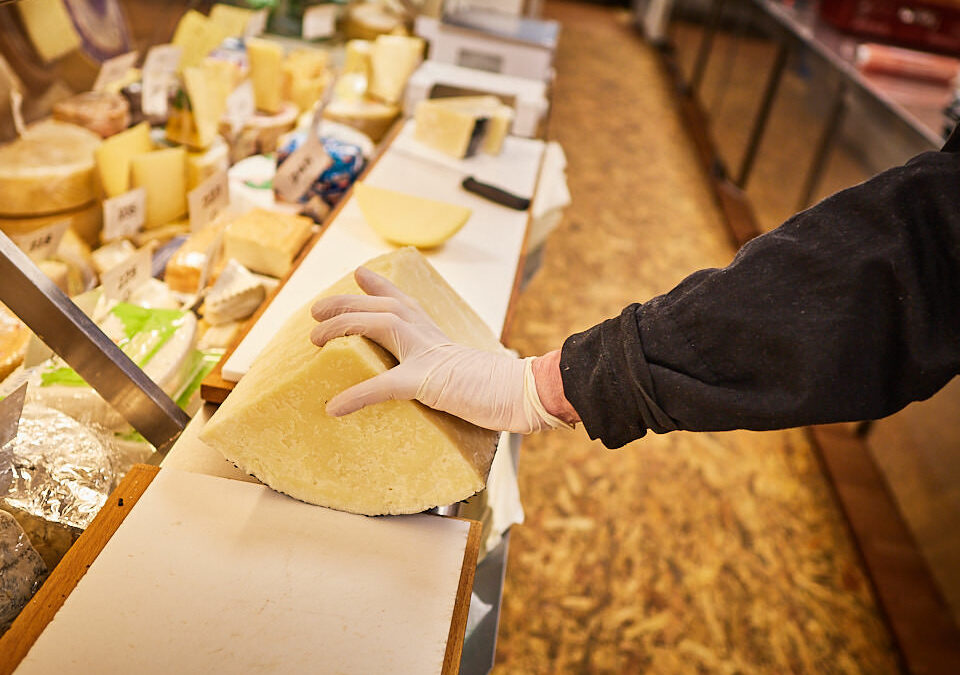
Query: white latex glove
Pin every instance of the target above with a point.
(495, 391)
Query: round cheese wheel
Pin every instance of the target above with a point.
(86, 221)
(50, 169)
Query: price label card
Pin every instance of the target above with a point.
(114, 69)
(299, 171)
(120, 281)
(240, 106)
(319, 21)
(158, 72)
(208, 199)
(256, 24)
(44, 242)
(11, 407)
(123, 215)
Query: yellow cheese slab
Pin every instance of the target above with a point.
(197, 36)
(49, 26)
(266, 241)
(234, 20)
(49, 169)
(266, 59)
(389, 458)
(392, 61)
(449, 124)
(163, 174)
(407, 220)
(114, 154)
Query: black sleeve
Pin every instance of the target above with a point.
(848, 311)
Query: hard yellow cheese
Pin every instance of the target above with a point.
(407, 220)
(114, 154)
(393, 60)
(197, 36)
(162, 173)
(49, 26)
(462, 126)
(392, 457)
(266, 59)
(266, 241)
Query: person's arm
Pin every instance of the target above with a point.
(848, 311)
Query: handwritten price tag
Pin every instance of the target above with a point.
(114, 69)
(11, 407)
(207, 200)
(123, 215)
(158, 72)
(44, 242)
(122, 280)
(319, 21)
(299, 170)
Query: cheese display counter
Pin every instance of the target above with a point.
(163, 219)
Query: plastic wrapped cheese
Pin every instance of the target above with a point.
(392, 457)
(21, 570)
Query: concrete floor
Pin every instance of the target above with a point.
(681, 553)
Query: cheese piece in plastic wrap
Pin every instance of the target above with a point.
(22, 570)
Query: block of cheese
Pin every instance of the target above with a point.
(266, 241)
(163, 174)
(197, 36)
(392, 457)
(266, 73)
(115, 153)
(370, 117)
(107, 257)
(208, 102)
(408, 220)
(201, 164)
(261, 133)
(463, 126)
(85, 221)
(14, 336)
(234, 20)
(48, 170)
(102, 112)
(58, 272)
(305, 77)
(49, 26)
(185, 268)
(392, 61)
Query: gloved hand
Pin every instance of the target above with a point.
(495, 391)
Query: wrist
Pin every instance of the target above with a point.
(546, 374)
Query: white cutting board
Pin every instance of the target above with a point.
(480, 261)
(212, 575)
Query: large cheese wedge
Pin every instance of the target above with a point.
(197, 36)
(163, 174)
(115, 153)
(266, 241)
(48, 170)
(392, 61)
(49, 26)
(392, 457)
(266, 58)
(463, 126)
(208, 101)
(407, 220)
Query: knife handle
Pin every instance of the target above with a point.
(495, 194)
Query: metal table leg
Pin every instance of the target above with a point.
(706, 45)
(763, 113)
(824, 146)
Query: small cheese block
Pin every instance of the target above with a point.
(261, 133)
(266, 59)
(197, 36)
(208, 102)
(49, 26)
(369, 117)
(305, 77)
(407, 220)
(107, 257)
(185, 268)
(201, 164)
(392, 61)
(85, 221)
(234, 20)
(58, 272)
(236, 295)
(102, 112)
(49, 169)
(115, 153)
(462, 126)
(266, 241)
(76, 254)
(392, 457)
(163, 173)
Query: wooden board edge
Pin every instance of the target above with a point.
(461, 608)
(910, 601)
(214, 388)
(39, 612)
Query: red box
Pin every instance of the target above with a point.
(931, 24)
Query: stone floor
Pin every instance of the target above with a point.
(682, 553)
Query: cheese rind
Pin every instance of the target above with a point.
(48, 170)
(266, 60)
(266, 241)
(115, 153)
(162, 173)
(408, 220)
(392, 457)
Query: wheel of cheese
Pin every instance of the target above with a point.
(86, 222)
(104, 113)
(50, 169)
